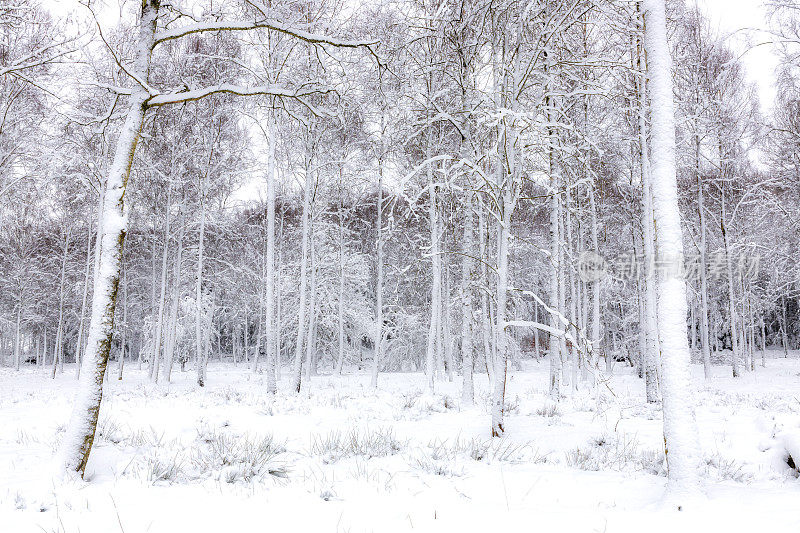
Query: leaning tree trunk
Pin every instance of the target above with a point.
(79, 436)
(680, 427)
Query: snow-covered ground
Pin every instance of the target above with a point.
(344, 458)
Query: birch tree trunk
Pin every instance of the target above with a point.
(97, 248)
(17, 338)
(433, 330)
(312, 312)
(81, 321)
(60, 331)
(596, 334)
(340, 317)
(652, 354)
(124, 328)
(269, 305)
(555, 257)
(733, 315)
(297, 369)
(680, 427)
(485, 315)
(573, 300)
(784, 336)
(159, 325)
(169, 352)
(507, 179)
(79, 436)
(200, 345)
(378, 330)
(278, 300)
(467, 363)
(705, 346)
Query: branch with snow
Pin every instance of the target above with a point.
(238, 90)
(309, 37)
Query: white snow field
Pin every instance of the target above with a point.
(343, 458)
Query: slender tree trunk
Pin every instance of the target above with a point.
(486, 319)
(378, 329)
(467, 363)
(169, 352)
(652, 355)
(301, 312)
(200, 337)
(17, 356)
(555, 254)
(573, 299)
(447, 336)
(312, 313)
(159, 325)
(506, 185)
(705, 345)
(784, 336)
(340, 318)
(277, 321)
(597, 348)
(752, 334)
(81, 323)
(731, 293)
(269, 309)
(680, 428)
(433, 331)
(124, 325)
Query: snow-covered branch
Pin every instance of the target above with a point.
(294, 31)
(238, 90)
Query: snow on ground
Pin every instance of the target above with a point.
(344, 458)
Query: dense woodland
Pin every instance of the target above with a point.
(395, 186)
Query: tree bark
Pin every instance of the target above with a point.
(680, 427)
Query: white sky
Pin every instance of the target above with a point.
(741, 21)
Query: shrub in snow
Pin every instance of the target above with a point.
(616, 452)
(725, 469)
(235, 457)
(548, 410)
(157, 469)
(489, 451)
(368, 443)
(435, 465)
